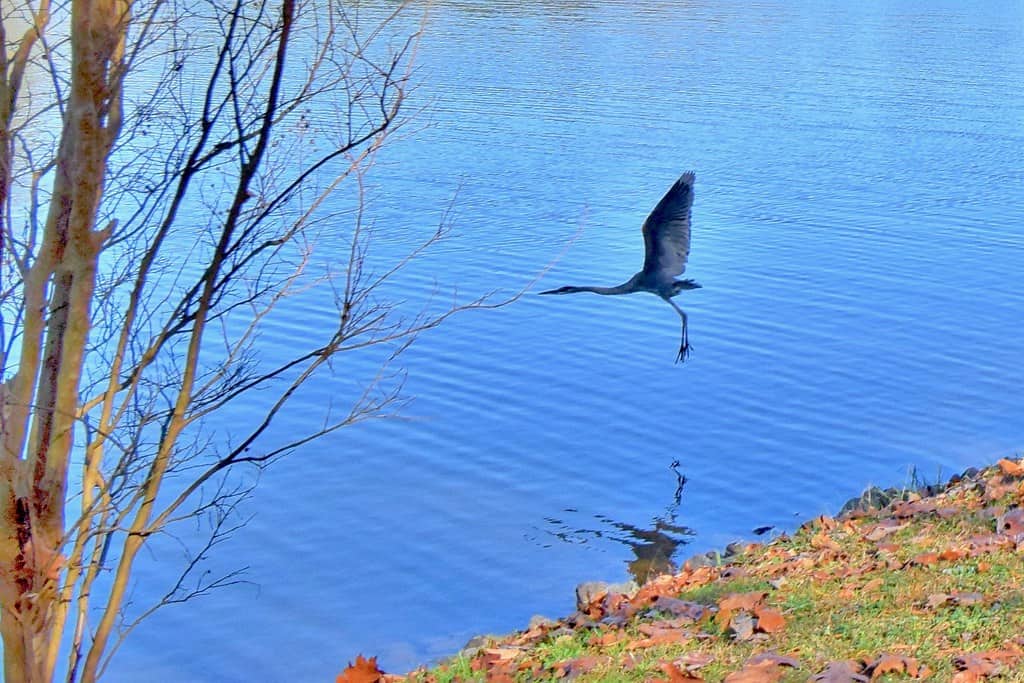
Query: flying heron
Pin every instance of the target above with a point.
(666, 246)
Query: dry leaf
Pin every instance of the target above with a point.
(659, 636)
(774, 658)
(847, 671)
(763, 672)
(680, 608)
(581, 665)
(822, 541)
(925, 559)
(872, 585)
(769, 620)
(737, 601)
(1011, 468)
(363, 671)
(895, 664)
(677, 675)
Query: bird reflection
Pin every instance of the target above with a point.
(653, 546)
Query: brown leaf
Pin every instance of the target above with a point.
(925, 559)
(769, 620)
(659, 636)
(822, 541)
(952, 554)
(363, 671)
(575, 667)
(737, 601)
(847, 671)
(883, 529)
(761, 672)
(774, 658)
(680, 608)
(872, 585)
(895, 664)
(1011, 468)
(967, 597)
(936, 600)
(610, 638)
(988, 663)
(904, 508)
(694, 660)
(677, 675)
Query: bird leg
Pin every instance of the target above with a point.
(684, 346)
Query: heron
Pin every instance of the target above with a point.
(666, 248)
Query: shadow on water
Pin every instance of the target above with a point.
(654, 546)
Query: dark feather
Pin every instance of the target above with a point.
(667, 231)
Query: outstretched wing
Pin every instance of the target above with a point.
(667, 230)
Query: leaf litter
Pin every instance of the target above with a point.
(928, 587)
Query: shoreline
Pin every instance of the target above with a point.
(759, 609)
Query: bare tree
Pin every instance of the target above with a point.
(165, 169)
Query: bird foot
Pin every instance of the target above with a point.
(684, 352)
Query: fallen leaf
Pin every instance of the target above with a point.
(847, 671)
(936, 600)
(967, 597)
(576, 667)
(822, 541)
(774, 658)
(680, 608)
(952, 554)
(676, 675)
(924, 559)
(884, 528)
(659, 636)
(1011, 468)
(769, 620)
(694, 660)
(610, 638)
(363, 671)
(762, 672)
(737, 601)
(895, 664)
(982, 665)
(904, 508)
(872, 585)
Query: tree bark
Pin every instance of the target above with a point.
(44, 392)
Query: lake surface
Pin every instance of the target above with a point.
(859, 233)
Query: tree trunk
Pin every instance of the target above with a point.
(37, 446)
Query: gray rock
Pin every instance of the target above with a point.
(540, 620)
(872, 498)
(587, 591)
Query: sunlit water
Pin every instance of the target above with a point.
(858, 232)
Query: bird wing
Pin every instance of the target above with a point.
(667, 230)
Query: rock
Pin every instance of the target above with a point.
(733, 549)
(474, 645)
(538, 620)
(872, 498)
(587, 591)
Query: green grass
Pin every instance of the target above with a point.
(841, 596)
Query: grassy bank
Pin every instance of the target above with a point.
(927, 587)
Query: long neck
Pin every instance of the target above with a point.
(624, 288)
(627, 287)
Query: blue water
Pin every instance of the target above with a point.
(858, 233)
